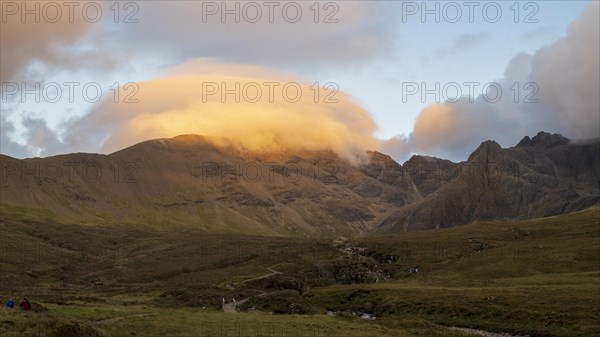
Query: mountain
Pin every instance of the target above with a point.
(543, 176)
(188, 181)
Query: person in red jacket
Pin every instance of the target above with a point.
(25, 305)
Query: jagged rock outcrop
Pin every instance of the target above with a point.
(542, 176)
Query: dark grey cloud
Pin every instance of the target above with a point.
(41, 139)
(23, 41)
(557, 90)
(7, 144)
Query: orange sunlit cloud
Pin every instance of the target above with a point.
(271, 115)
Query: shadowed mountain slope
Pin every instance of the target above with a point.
(543, 176)
(187, 181)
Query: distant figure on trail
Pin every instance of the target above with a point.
(223, 300)
(10, 304)
(25, 305)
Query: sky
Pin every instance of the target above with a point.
(401, 77)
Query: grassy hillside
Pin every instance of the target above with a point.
(537, 277)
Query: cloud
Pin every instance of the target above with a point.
(171, 33)
(285, 34)
(23, 41)
(345, 32)
(41, 140)
(464, 43)
(7, 144)
(557, 92)
(565, 72)
(568, 75)
(276, 120)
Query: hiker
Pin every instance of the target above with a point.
(10, 304)
(25, 305)
(223, 300)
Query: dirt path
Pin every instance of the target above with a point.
(231, 307)
(484, 333)
(116, 319)
(272, 273)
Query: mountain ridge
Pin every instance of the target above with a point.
(188, 180)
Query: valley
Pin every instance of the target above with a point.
(299, 169)
(535, 277)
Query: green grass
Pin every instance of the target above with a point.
(25, 213)
(538, 277)
(197, 322)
